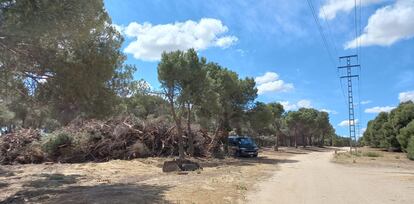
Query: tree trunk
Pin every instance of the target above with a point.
(225, 137)
(214, 145)
(190, 134)
(310, 140)
(296, 138)
(303, 140)
(179, 130)
(323, 140)
(276, 147)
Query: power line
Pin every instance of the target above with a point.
(330, 32)
(336, 50)
(356, 27)
(359, 51)
(342, 88)
(360, 30)
(359, 105)
(325, 42)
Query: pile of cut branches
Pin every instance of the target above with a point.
(95, 140)
(21, 146)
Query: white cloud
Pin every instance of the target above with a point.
(379, 109)
(274, 86)
(388, 25)
(288, 106)
(304, 104)
(406, 96)
(226, 41)
(345, 123)
(294, 106)
(267, 77)
(151, 40)
(331, 8)
(366, 102)
(328, 111)
(270, 82)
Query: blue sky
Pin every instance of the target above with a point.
(278, 43)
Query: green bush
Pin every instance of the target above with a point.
(372, 154)
(54, 142)
(405, 134)
(410, 148)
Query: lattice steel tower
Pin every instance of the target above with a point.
(351, 114)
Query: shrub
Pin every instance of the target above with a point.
(410, 148)
(372, 154)
(405, 134)
(54, 142)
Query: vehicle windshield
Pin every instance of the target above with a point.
(246, 141)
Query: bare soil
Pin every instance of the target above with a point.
(326, 177)
(137, 181)
(311, 175)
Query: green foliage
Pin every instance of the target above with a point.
(54, 142)
(391, 130)
(144, 105)
(338, 141)
(405, 134)
(230, 97)
(171, 73)
(373, 135)
(5, 115)
(65, 54)
(402, 115)
(410, 149)
(277, 111)
(261, 118)
(62, 60)
(309, 126)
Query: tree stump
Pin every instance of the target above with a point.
(180, 165)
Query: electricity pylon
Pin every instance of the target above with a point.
(351, 114)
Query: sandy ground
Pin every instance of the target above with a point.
(314, 178)
(137, 181)
(288, 176)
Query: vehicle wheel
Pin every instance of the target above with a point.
(255, 155)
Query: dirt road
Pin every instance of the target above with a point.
(313, 178)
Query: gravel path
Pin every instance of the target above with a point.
(315, 179)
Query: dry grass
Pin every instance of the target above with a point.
(374, 157)
(119, 181)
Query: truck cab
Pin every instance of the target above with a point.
(242, 146)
